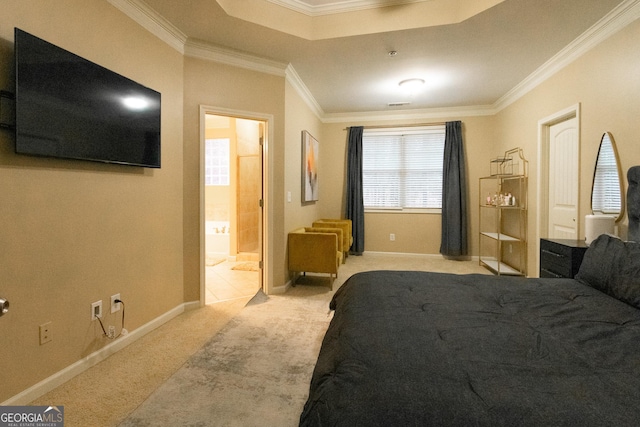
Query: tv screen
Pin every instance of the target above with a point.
(69, 107)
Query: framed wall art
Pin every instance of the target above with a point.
(309, 168)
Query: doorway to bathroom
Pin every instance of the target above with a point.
(233, 188)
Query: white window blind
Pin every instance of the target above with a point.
(402, 168)
(216, 161)
(606, 183)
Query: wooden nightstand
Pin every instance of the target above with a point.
(561, 258)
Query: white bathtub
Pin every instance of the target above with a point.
(216, 237)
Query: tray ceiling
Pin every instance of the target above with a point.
(477, 64)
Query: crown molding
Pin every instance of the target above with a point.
(156, 24)
(422, 114)
(298, 85)
(624, 14)
(207, 51)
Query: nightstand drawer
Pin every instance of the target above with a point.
(558, 263)
(550, 274)
(561, 257)
(555, 270)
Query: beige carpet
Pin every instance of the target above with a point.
(254, 372)
(106, 393)
(244, 366)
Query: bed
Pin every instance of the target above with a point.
(408, 348)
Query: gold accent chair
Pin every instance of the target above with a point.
(345, 225)
(315, 250)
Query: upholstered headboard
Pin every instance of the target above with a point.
(633, 203)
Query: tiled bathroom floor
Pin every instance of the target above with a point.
(223, 283)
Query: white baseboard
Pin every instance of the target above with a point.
(188, 306)
(407, 254)
(60, 377)
(277, 290)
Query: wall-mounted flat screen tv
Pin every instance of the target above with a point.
(69, 107)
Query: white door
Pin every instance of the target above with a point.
(563, 180)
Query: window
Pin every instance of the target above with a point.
(402, 168)
(216, 161)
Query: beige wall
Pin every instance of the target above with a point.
(300, 117)
(415, 233)
(606, 84)
(227, 88)
(77, 232)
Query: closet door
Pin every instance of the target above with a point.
(563, 180)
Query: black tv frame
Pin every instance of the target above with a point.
(71, 108)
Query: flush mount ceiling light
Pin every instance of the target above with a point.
(411, 84)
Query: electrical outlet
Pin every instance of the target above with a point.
(96, 310)
(45, 333)
(115, 306)
(392, 237)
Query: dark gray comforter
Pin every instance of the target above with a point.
(420, 349)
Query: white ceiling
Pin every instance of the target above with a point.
(473, 64)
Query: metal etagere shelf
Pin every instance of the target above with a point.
(503, 215)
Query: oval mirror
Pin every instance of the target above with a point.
(607, 197)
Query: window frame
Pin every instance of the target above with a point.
(399, 131)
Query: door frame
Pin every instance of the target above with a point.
(542, 212)
(266, 249)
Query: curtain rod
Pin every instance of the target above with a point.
(402, 126)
